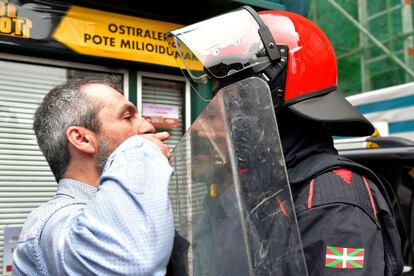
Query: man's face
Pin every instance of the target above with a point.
(118, 117)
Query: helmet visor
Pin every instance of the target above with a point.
(221, 46)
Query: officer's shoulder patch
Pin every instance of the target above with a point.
(344, 258)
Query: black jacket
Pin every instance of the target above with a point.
(339, 207)
(345, 222)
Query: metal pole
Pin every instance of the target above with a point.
(372, 38)
(363, 43)
(407, 27)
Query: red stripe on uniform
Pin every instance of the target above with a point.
(282, 207)
(310, 196)
(371, 199)
(345, 174)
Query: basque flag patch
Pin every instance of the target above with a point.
(342, 257)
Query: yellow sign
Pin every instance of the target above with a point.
(10, 24)
(105, 34)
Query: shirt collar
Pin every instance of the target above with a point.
(76, 189)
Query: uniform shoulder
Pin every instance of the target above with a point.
(340, 185)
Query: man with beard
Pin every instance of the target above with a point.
(111, 214)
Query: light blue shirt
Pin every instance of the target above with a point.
(125, 227)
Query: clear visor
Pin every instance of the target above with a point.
(220, 46)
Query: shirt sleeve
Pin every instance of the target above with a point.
(341, 238)
(127, 228)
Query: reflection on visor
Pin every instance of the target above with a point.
(224, 45)
(222, 69)
(188, 62)
(231, 199)
(230, 65)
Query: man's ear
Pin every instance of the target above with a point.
(82, 139)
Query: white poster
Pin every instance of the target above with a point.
(161, 115)
(11, 235)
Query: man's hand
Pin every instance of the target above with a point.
(158, 139)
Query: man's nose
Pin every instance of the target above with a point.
(144, 126)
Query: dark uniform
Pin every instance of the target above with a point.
(344, 219)
(345, 223)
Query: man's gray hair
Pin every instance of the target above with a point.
(65, 106)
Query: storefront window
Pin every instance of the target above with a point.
(163, 103)
(25, 178)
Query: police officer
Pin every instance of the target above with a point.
(345, 220)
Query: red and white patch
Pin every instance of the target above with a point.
(344, 258)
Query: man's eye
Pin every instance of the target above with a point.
(128, 117)
(131, 117)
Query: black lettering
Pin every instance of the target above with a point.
(125, 43)
(86, 37)
(18, 25)
(149, 47)
(170, 52)
(161, 49)
(112, 41)
(122, 29)
(139, 32)
(113, 28)
(129, 30)
(97, 39)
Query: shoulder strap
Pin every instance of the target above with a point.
(301, 176)
(336, 186)
(323, 162)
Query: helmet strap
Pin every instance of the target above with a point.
(275, 76)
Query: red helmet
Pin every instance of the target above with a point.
(311, 75)
(311, 66)
(287, 50)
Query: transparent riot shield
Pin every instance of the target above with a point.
(230, 194)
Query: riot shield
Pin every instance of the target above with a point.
(230, 193)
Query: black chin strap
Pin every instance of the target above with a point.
(275, 76)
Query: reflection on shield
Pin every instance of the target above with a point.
(230, 194)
